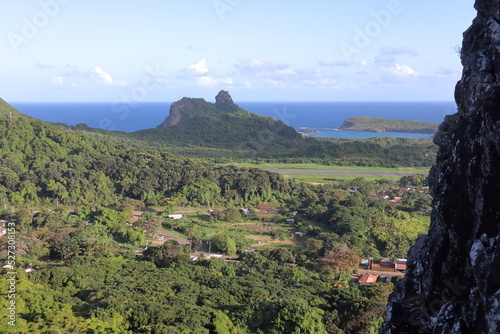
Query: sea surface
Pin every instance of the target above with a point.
(324, 117)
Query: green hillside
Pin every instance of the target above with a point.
(252, 138)
(229, 130)
(6, 110)
(374, 124)
(242, 137)
(69, 197)
(42, 162)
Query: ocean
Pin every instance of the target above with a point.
(323, 117)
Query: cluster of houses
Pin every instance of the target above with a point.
(385, 264)
(388, 194)
(393, 268)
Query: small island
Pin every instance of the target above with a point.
(374, 124)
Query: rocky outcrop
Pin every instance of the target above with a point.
(188, 108)
(453, 280)
(224, 102)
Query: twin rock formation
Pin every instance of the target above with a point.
(453, 280)
(188, 108)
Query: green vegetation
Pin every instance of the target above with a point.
(374, 124)
(249, 138)
(224, 133)
(232, 131)
(42, 164)
(6, 110)
(71, 199)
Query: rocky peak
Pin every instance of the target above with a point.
(187, 108)
(452, 284)
(223, 101)
(223, 98)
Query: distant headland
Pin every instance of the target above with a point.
(374, 124)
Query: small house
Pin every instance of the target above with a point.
(174, 217)
(290, 221)
(368, 279)
(3, 231)
(400, 265)
(300, 234)
(383, 265)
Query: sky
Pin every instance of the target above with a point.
(274, 50)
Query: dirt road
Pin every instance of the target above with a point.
(339, 172)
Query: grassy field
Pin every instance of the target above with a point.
(322, 178)
(310, 166)
(328, 178)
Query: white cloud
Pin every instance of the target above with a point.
(402, 70)
(106, 78)
(57, 80)
(393, 72)
(208, 81)
(200, 67)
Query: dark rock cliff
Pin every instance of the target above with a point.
(188, 108)
(453, 280)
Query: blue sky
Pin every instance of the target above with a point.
(162, 50)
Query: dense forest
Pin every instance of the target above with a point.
(69, 200)
(240, 137)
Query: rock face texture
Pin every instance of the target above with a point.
(452, 283)
(188, 108)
